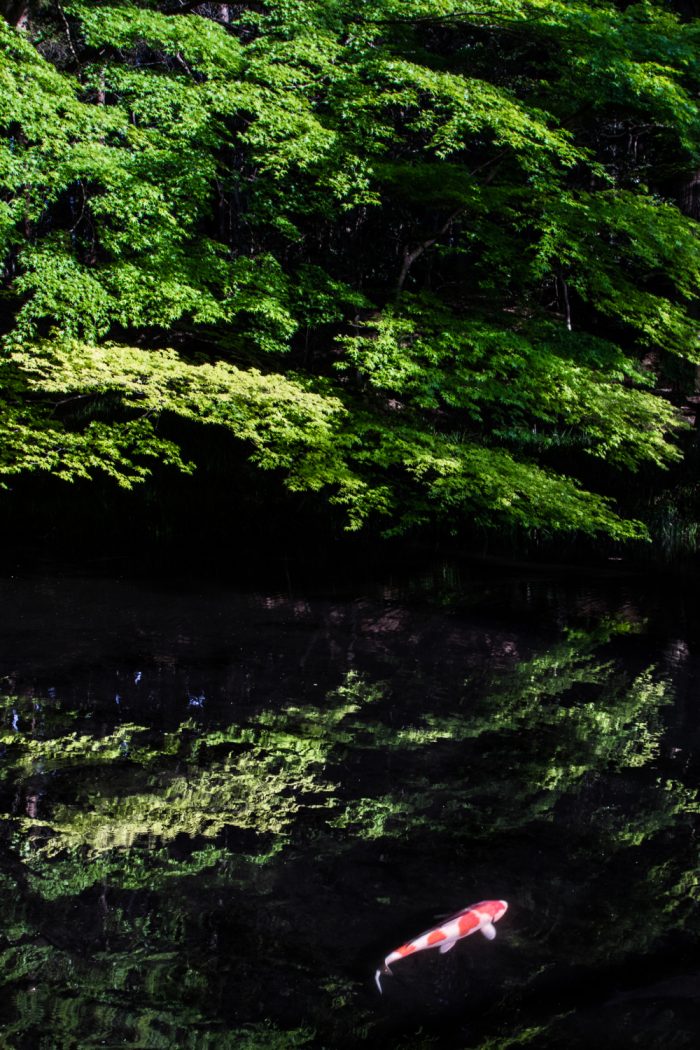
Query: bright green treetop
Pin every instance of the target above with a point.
(422, 257)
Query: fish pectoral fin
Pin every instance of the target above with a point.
(489, 931)
(446, 947)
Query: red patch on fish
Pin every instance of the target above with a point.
(436, 936)
(479, 916)
(467, 922)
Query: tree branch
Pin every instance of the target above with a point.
(184, 8)
(66, 26)
(409, 257)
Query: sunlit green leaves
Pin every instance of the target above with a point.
(288, 425)
(471, 209)
(535, 377)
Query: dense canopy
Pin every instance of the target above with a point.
(426, 258)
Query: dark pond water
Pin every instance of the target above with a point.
(219, 811)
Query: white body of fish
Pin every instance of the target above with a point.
(479, 917)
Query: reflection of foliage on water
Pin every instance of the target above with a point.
(667, 1023)
(531, 1036)
(172, 846)
(71, 871)
(537, 731)
(563, 739)
(113, 815)
(134, 982)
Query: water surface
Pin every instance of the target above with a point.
(219, 810)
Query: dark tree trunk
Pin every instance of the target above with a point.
(16, 12)
(689, 196)
(689, 201)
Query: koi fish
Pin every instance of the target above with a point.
(480, 917)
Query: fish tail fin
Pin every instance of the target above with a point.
(377, 977)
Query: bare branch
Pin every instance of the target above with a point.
(184, 8)
(66, 26)
(409, 257)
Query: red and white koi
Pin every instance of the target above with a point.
(480, 917)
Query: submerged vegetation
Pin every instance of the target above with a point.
(431, 262)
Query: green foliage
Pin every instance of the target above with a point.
(287, 424)
(618, 730)
(423, 258)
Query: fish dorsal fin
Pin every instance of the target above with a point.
(445, 917)
(489, 931)
(446, 947)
